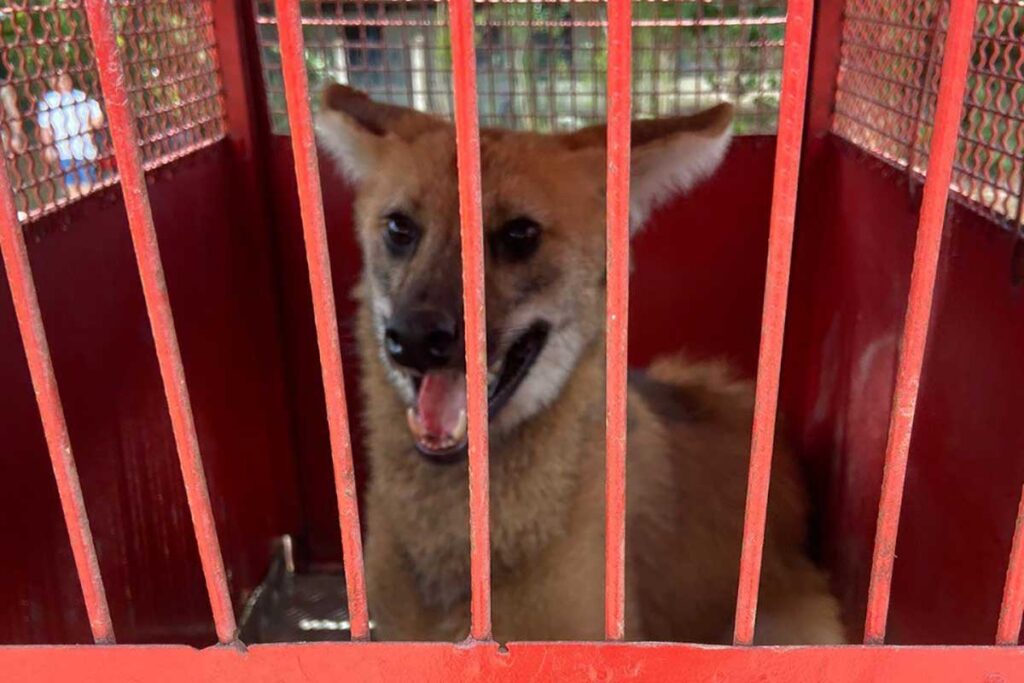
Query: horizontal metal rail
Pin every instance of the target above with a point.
(516, 662)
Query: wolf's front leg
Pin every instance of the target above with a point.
(560, 596)
(395, 604)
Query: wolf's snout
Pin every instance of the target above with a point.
(423, 339)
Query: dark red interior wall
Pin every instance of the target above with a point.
(320, 537)
(852, 259)
(224, 298)
(699, 270)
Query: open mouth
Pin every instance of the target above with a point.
(438, 419)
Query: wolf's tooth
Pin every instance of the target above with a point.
(460, 428)
(414, 423)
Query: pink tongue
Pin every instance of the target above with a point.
(440, 403)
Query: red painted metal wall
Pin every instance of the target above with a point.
(223, 291)
(856, 227)
(851, 272)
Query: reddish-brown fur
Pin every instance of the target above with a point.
(689, 424)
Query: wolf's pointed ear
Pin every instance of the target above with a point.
(355, 130)
(668, 155)
(672, 155)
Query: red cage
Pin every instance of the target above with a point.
(869, 214)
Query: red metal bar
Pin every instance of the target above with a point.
(467, 143)
(127, 150)
(959, 41)
(560, 662)
(665, 22)
(773, 320)
(55, 428)
(617, 314)
(1012, 609)
(307, 175)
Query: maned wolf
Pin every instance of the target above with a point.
(543, 207)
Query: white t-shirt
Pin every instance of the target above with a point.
(67, 115)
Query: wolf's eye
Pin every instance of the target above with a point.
(400, 234)
(516, 240)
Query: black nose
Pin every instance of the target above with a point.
(423, 339)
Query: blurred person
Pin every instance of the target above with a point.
(13, 140)
(68, 119)
(12, 127)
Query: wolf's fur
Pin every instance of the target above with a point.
(689, 424)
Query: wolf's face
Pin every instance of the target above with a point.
(543, 210)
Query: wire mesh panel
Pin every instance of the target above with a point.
(55, 136)
(542, 63)
(888, 84)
